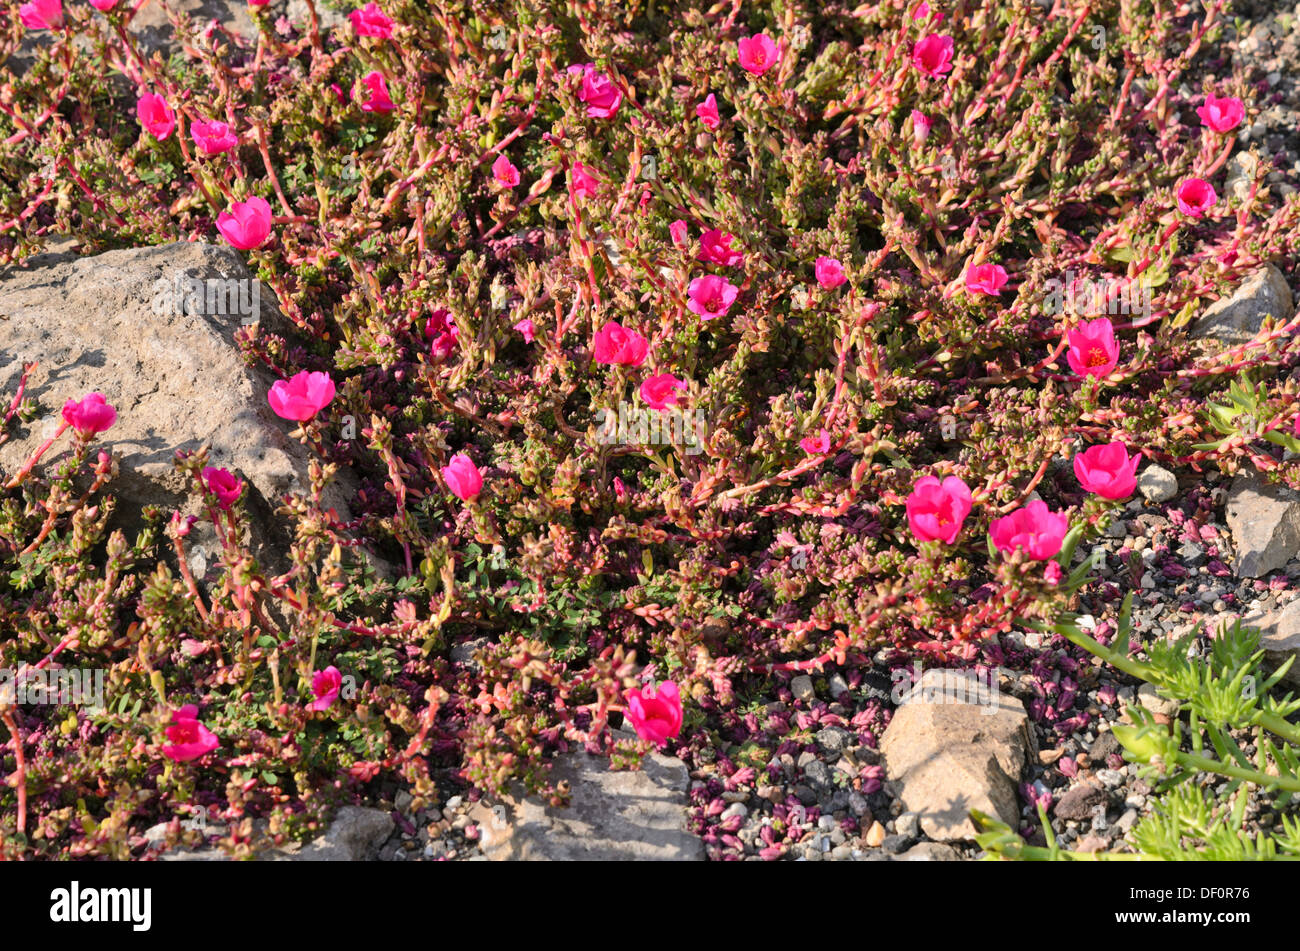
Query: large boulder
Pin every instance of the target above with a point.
(112, 323)
(954, 745)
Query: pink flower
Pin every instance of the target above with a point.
(442, 332)
(1053, 574)
(1296, 427)
(1033, 528)
(660, 391)
(708, 112)
(377, 98)
(224, 485)
(656, 715)
(758, 53)
(325, 684)
(921, 126)
(103, 6)
(677, 231)
(371, 21)
(933, 54)
(1094, 351)
(302, 396)
(1107, 470)
(616, 344)
(936, 510)
(90, 415)
(188, 738)
(715, 248)
(463, 477)
(584, 182)
(986, 279)
(600, 94)
(1222, 115)
(525, 327)
(41, 14)
(711, 296)
(818, 445)
(155, 115)
(922, 12)
(213, 137)
(247, 223)
(505, 172)
(1195, 197)
(830, 273)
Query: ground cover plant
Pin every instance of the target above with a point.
(678, 348)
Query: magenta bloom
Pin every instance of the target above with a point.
(1094, 351)
(711, 296)
(830, 273)
(1222, 115)
(933, 54)
(90, 415)
(708, 112)
(660, 392)
(1033, 528)
(1107, 470)
(325, 684)
(442, 333)
(816, 445)
(526, 328)
(302, 396)
(156, 117)
(921, 126)
(247, 224)
(463, 477)
(377, 98)
(213, 137)
(187, 738)
(600, 94)
(656, 715)
(986, 279)
(103, 6)
(677, 231)
(715, 248)
(42, 14)
(371, 21)
(584, 182)
(616, 344)
(758, 53)
(224, 485)
(504, 171)
(1195, 197)
(936, 510)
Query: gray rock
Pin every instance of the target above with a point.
(930, 852)
(1238, 318)
(1265, 524)
(802, 688)
(949, 756)
(177, 379)
(1279, 636)
(1148, 697)
(1079, 802)
(355, 835)
(1157, 484)
(625, 815)
(908, 824)
(833, 738)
